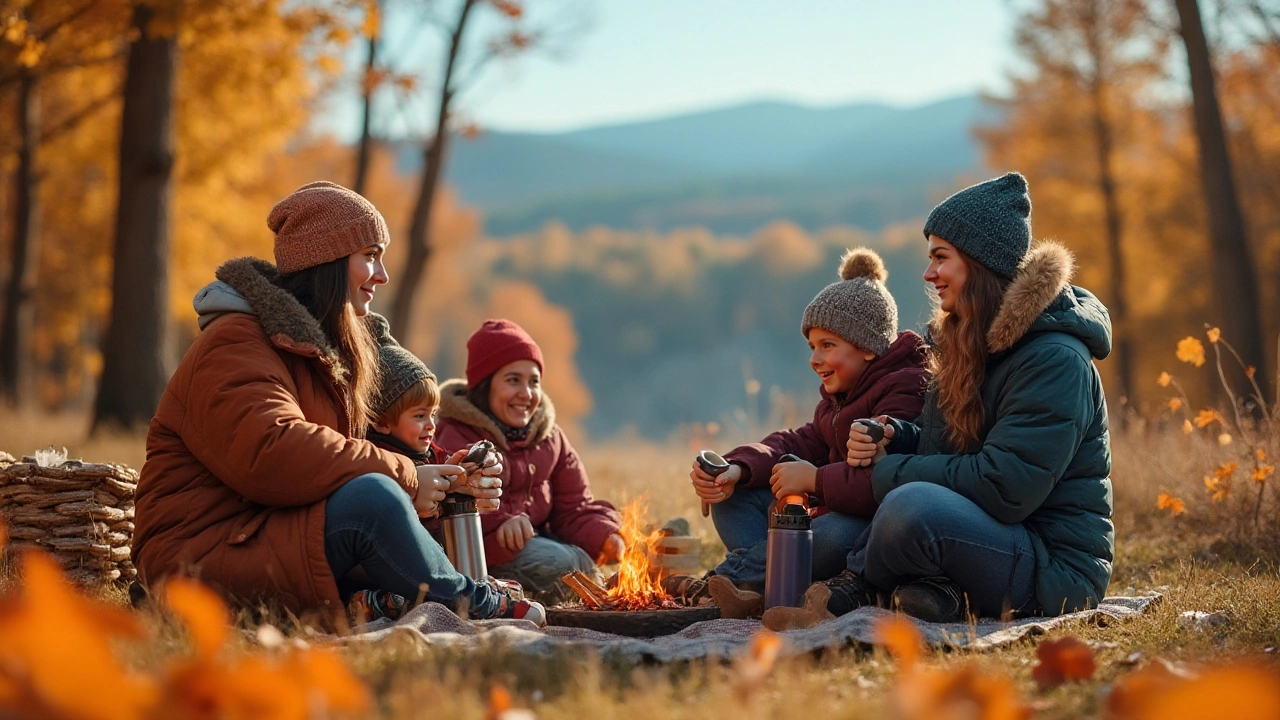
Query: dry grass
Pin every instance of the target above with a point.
(1210, 558)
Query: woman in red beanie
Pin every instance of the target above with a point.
(548, 523)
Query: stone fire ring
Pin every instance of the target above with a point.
(632, 623)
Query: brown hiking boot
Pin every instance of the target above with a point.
(823, 601)
(686, 589)
(814, 612)
(735, 604)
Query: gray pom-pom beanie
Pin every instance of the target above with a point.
(399, 369)
(990, 222)
(859, 307)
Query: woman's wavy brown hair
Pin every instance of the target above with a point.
(324, 292)
(959, 357)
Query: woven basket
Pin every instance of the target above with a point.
(80, 513)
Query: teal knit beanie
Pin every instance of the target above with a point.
(990, 222)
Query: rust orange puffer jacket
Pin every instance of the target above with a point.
(250, 437)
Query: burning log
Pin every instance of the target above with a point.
(593, 596)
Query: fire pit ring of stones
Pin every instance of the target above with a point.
(632, 623)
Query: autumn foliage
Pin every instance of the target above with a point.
(58, 659)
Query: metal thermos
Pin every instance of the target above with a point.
(463, 539)
(789, 551)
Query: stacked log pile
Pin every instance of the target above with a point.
(80, 513)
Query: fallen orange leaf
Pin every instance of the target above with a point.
(1062, 660)
(968, 693)
(1235, 692)
(55, 651)
(202, 611)
(901, 638)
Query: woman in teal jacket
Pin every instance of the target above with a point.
(996, 501)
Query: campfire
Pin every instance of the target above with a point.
(639, 586)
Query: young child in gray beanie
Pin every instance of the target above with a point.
(867, 369)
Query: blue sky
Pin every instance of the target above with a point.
(642, 59)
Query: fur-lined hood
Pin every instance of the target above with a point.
(248, 285)
(455, 405)
(1041, 298)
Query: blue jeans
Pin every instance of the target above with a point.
(371, 522)
(922, 530)
(742, 522)
(540, 565)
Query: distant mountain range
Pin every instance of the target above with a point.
(731, 170)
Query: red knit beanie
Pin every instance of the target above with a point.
(495, 344)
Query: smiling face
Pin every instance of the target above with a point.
(365, 273)
(415, 427)
(838, 362)
(948, 272)
(515, 392)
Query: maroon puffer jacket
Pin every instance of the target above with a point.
(542, 476)
(893, 384)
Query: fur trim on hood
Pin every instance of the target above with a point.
(1041, 278)
(284, 320)
(455, 405)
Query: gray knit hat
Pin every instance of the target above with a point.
(990, 222)
(859, 308)
(399, 368)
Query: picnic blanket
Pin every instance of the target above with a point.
(436, 625)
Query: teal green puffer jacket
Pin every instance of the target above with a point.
(1045, 459)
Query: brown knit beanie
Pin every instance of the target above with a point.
(859, 308)
(321, 222)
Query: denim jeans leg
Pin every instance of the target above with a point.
(540, 565)
(924, 530)
(371, 522)
(834, 535)
(742, 522)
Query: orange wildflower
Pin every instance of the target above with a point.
(1190, 350)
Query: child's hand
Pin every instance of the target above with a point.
(863, 450)
(433, 482)
(793, 478)
(715, 489)
(513, 533)
(612, 550)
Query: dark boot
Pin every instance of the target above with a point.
(935, 600)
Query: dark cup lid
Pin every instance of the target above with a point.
(457, 504)
(792, 517)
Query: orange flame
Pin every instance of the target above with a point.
(637, 589)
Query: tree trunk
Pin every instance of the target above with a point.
(134, 349)
(1235, 285)
(366, 134)
(415, 267)
(1105, 143)
(17, 318)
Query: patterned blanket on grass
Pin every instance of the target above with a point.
(436, 625)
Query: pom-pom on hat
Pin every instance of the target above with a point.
(321, 222)
(495, 344)
(859, 307)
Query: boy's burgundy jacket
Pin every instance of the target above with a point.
(893, 384)
(542, 477)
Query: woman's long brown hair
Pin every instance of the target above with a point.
(959, 357)
(324, 292)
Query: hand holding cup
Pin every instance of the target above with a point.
(867, 439)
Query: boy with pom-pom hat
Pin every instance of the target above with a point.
(867, 369)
